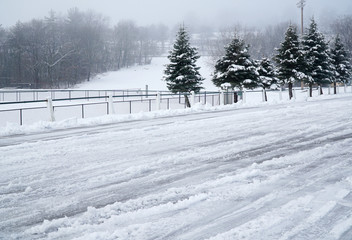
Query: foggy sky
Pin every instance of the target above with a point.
(171, 12)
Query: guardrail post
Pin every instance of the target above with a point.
(82, 111)
(244, 96)
(21, 117)
(111, 105)
(146, 91)
(193, 98)
(329, 90)
(158, 98)
(294, 93)
(222, 98)
(345, 88)
(51, 109)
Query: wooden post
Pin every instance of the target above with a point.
(193, 98)
(111, 105)
(51, 109)
(158, 99)
(222, 98)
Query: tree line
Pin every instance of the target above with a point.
(61, 51)
(309, 59)
(264, 41)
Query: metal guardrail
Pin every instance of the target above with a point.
(213, 98)
(36, 95)
(130, 99)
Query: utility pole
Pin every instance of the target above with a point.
(301, 4)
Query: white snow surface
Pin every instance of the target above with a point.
(271, 171)
(137, 77)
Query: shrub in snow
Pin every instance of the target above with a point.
(267, 74)
(236, 67)
(182, 74)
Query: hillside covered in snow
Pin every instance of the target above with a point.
(137, 77)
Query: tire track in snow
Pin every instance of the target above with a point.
(172, 174)
(267, 201)
(177, 178)
(241, 216)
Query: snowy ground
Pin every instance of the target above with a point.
(279, 171)
(138, 77)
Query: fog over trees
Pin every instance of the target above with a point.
(60, 51)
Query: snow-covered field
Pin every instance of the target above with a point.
(138, 77)
(281, 171)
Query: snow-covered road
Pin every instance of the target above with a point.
(270, 172)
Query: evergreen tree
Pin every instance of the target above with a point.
(236, 67)
(316, 54)
(182, 74)
(341, 62)
(290, 60)
(267, 74)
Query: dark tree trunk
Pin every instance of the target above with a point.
(311, 89)
(335, 91)
(235, 97)
(321, 90)
(265, 96)
(36, 78)
(290, 92)
(88, 76)
(188, 104)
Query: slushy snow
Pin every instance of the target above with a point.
(275, 171)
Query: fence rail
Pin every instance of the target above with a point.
(43, 94)
(62, 108)
(123, 102)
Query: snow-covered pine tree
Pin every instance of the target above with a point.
(236, 67)
(317, 59)
(182, 74)
(267, 74)
(341, 62)
(290, 60)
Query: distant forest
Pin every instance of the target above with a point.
(61, 51)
